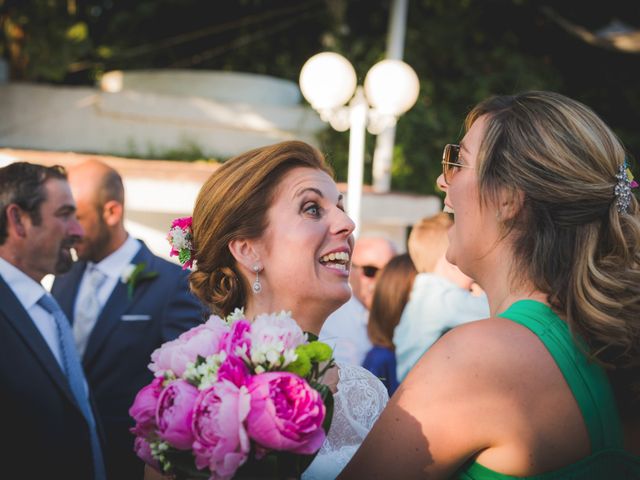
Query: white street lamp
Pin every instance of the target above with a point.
(328, 81)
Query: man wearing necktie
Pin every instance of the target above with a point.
(49, 428)
(118, 322)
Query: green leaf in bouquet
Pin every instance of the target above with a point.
(327, 399)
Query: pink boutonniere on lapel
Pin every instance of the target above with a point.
(134, 274)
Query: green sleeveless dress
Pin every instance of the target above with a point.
(590, 387)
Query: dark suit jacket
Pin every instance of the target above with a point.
(119, 349)
(43, 432)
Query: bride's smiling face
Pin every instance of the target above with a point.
(306, 249)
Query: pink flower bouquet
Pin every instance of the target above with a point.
(235, 397)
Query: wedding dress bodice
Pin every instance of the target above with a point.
(358, 402)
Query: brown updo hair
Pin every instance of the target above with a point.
(233, 204)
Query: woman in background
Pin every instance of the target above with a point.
(391, 294)
(548, 387)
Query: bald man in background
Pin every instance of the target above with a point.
(119, 318)
(346, 328)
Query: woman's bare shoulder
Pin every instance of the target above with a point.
(483, 345)
(486, 368)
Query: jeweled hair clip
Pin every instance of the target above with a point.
(623, 187)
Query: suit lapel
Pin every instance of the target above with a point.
(21, 321)
(118, 304)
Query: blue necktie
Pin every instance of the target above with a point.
(75, 376)
(87, 309)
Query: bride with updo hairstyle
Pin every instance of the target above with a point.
(233, 204)
(270, 234)
(548, 387)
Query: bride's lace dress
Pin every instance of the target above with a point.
(358, 402)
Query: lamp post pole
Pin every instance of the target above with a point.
(383, 153)
(358, 110)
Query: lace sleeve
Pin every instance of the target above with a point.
(357, 405)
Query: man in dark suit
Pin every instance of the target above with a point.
(123, 302)
(48, 425)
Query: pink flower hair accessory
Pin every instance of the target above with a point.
(180, 238)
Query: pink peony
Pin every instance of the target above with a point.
(277, 328)
(203, 340)
(286, 413)
(234, 370)
(175, 413)
(143, 450)
(143, 410)
(237, 337)
(221, 441)
(274, 338)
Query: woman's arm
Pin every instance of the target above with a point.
(425, 427)
(454, 404)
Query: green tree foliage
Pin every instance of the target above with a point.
(43, 39)
(462, 50)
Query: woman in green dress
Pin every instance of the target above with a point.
(549, 386)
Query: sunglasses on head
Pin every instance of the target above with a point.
(368, 270)
(451, 162)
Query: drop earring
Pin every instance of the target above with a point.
(257, 286)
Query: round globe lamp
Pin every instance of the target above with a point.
(327, 80)
(391, 87)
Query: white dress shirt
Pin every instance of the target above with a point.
(112, 267)
(28, 292)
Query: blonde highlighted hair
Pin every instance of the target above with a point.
(428, 241)
(233, 203)
(570, 239)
